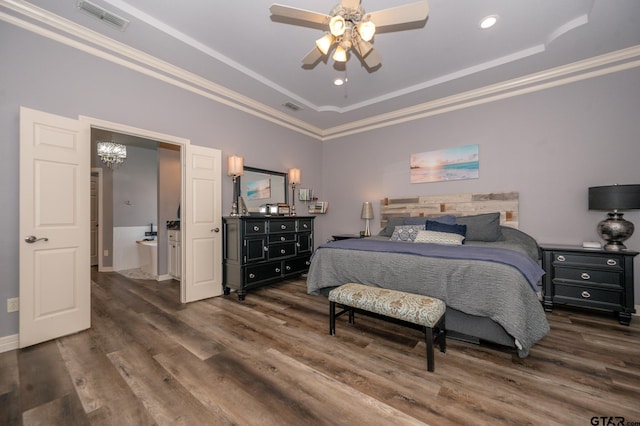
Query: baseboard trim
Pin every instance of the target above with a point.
(9, 343)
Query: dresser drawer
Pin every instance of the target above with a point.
(589, 275)
(587, 259)
(282, 250)
(263, 272)
(282, 238)
(591, 295)
(298, 265)
(305, 225)
(255, 227)
(282, 225)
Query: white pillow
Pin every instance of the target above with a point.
(439, 238)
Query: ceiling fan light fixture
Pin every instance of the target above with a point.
(324, 43)
(367, 30)
(337, 26)
(340, 54)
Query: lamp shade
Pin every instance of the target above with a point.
(614, 197)
(367, 210)
(235, 165)
(294, 176)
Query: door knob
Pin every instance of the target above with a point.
(215, 230)
(32, 239)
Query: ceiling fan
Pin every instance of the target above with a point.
(351, 28)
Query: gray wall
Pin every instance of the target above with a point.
(44, 75)
(550, 146)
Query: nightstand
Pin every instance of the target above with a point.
(591, 278)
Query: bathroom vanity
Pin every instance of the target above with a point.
(260, 250)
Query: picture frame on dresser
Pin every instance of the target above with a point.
(591, 278)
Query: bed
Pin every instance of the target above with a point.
(490, 283)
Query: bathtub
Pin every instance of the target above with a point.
(148, 252)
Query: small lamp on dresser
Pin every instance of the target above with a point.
(235, 168)
(294, 179)
(613, 198)
(367, 215)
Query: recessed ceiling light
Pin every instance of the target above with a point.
(339, 81)
(488, 21)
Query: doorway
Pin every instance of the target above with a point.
(142, 195)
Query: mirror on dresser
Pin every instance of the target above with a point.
(258, 187)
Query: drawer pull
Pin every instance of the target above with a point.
(305, 226)
(585, 294)
(611, 262)
(307, 263)
(282, 251)
(278, 270)
(252, 275)
(256, 228)
(297, 244)
(283, 226)
(585, 276)
(560, 258)
(288, 268)
(265, 248)
(283, 239)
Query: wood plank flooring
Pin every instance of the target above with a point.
(148, 359)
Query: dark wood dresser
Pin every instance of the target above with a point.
(261, 250)
(591, 278)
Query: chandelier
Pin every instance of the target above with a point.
(112, 154)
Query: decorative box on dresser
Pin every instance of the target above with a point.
(591, 278)
(261, 250)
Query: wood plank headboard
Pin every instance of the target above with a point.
(456, 204)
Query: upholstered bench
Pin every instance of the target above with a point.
(427, 312)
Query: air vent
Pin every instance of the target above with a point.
(102, 14)
(293, 106)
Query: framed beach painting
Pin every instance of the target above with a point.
(446, 164)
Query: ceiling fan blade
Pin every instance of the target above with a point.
(408, 13)
(304, 16)
(373, 59)
(350, 4)
(363, 47)
(312, 57)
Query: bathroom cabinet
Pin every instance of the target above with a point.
(261, 250)
(175, 258)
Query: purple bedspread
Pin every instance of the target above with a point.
(529, 269)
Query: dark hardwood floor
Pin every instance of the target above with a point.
(270, 361)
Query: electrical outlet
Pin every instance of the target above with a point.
(13, 304)
(105, 253)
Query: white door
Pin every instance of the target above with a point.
(55, 280)
(93, 224)
(202, 236)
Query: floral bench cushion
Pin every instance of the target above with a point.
(413, 308)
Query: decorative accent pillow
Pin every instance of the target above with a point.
(406, 232)
(482, 227)
(419, 220)
(442, 227)
(392, 222)
(435, 237)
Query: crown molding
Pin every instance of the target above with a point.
(96, 44)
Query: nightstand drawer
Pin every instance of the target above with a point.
(587, 259)
(592, 295)
(588, 275)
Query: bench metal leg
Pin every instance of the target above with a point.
(432, 335)
(332, 318)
